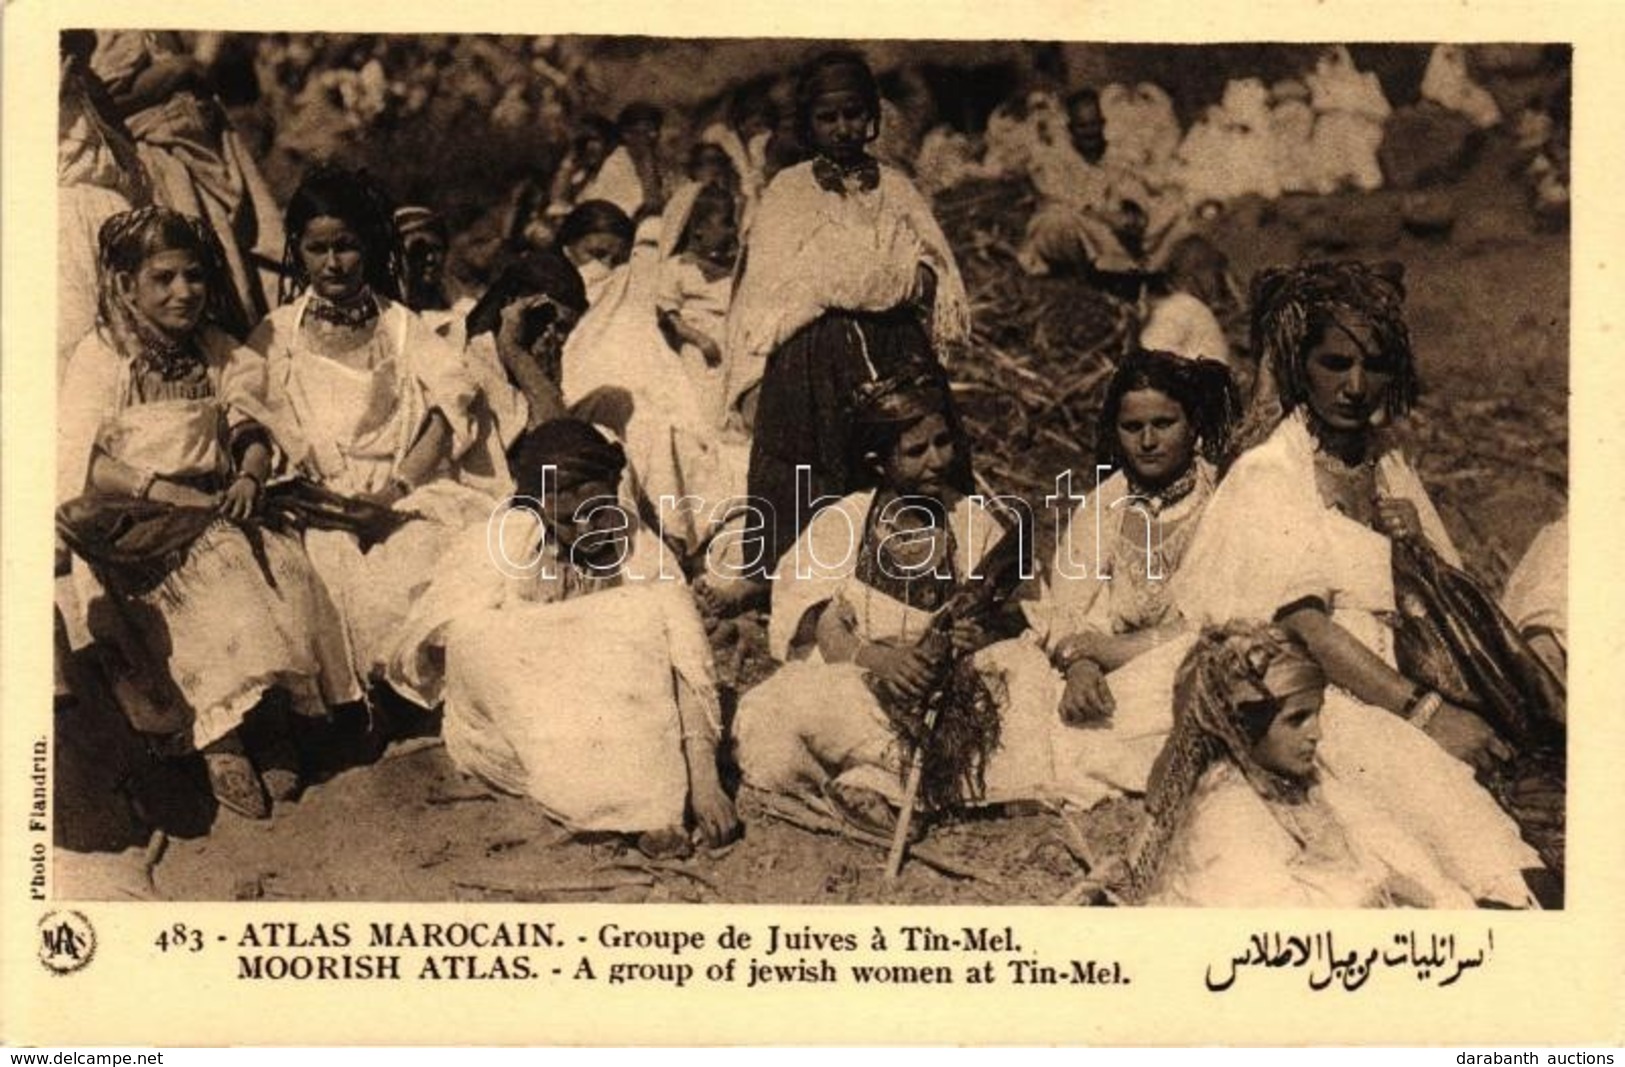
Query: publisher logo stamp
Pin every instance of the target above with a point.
(67, 941)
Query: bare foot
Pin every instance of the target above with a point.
(714, 817)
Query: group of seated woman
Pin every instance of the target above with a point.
(356, 499)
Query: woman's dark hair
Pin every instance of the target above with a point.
(594, 128)
(1201, 387)
(1293, 307)
(1256, 717)
(841, 69)
(595, 216)
(332, 191)
(711, 201)
(128, 239)
(886, 409)
(1085, 95)
(752, 100)
(702, 149)
(532, 274)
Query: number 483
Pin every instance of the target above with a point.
(179, 937)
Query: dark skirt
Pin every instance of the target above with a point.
(804, 418)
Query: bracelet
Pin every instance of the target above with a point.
(1426, 708)
(258, 484)
(1409, 707)
(402, 484)
(1063, 660)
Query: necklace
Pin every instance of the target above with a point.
(1349, 489)
(1159, 500)
(833, 177)
(171, 360)
(354, 314)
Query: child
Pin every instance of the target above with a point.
(1242, 813)
(696, 286)
(847, 277)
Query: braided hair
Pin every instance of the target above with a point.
(1201, 387)
(1227, 692)
(1293, 307)
(332, 191)
(130, 238)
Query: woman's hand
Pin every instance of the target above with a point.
(1087, 700)
(1398, 518)
(182, 496)
(1467, 737)
(908, 671)
(514, 354)
(385, 497)
(968, 636)
(240, 497)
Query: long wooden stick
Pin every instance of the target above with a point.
(806, 819)
(911, 794)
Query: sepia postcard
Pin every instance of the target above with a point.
(872, 524)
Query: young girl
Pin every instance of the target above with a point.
(1107, 619)
(696, 286)
(1243, 813)
(847, 276)
(369, 401)
(161, 423)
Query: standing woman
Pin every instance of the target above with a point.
(847, 278)
(161, 426)
(1301, 533)
(197, 162)
(98, 175)
(368, 400)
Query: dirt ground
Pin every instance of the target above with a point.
(1489, 314)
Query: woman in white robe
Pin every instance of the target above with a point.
(365, 398)
(1107, 617)
(571, 657)
(159, 406)
(1299, 531)
(620, 372)
(852, 601)
(196, 161)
